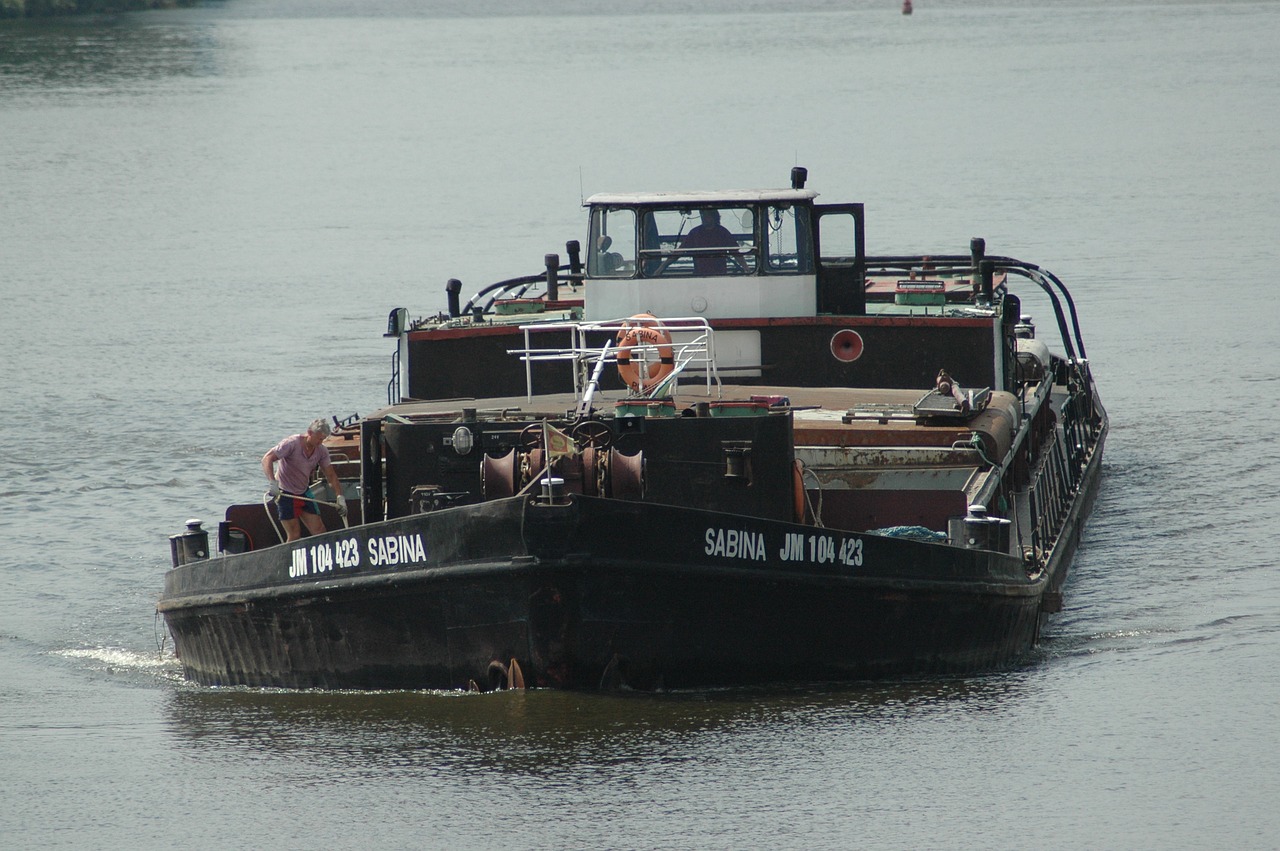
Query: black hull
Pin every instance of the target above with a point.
(695, 599)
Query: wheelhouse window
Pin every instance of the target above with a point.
(788, 240)
(699, 241)
(612, 251)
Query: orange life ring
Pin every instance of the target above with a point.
(643, 329)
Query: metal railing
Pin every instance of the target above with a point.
(692, 352)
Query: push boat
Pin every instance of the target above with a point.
(680, 464)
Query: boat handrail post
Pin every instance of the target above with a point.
(584, 403)
(528, 365)
(712, 369)
(394, 390)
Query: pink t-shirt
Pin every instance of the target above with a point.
(294, 467)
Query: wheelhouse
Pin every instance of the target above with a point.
(723, 255)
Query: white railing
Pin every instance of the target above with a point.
(692, 347)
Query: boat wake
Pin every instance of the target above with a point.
(118, 660)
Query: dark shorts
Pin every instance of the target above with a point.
(290, 506)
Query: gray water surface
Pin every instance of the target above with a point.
(206, 215)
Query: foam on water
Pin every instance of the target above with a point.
(119, 658)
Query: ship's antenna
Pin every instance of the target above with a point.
(582, 195)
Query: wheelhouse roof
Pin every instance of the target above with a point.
(699, 198)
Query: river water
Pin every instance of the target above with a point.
(206, 215)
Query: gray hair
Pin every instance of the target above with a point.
(320, 426)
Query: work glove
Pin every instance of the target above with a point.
(274, 490)
(341, 506)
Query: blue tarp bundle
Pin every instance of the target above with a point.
(915, 533)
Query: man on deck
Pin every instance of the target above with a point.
(289, 466)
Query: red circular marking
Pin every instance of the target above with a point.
(846, 345)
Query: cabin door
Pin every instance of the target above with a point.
(840, 257)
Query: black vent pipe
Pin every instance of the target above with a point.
(452, 290)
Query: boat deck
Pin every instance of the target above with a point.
(824, 416)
